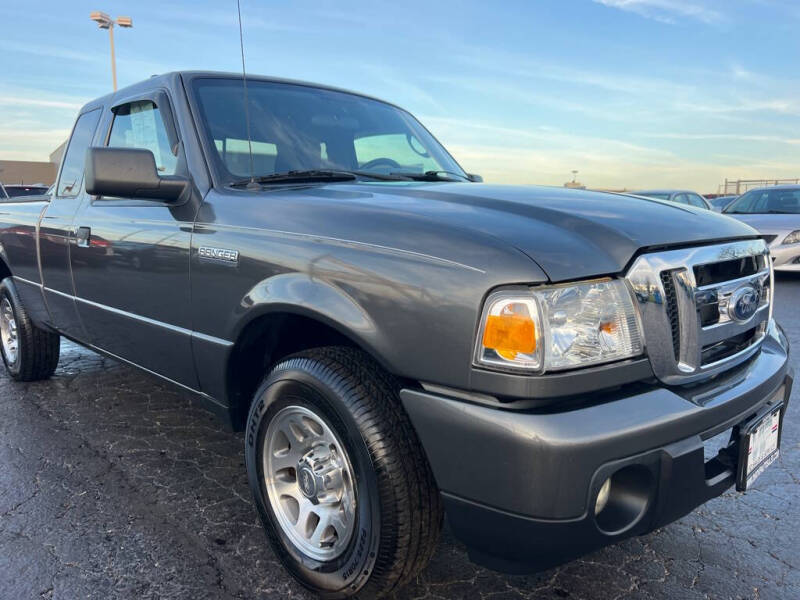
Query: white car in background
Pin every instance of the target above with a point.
(687, 197)
(775, 213)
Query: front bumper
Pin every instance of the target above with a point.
(785, 258)
(520, 486)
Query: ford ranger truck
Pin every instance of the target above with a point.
(396, 339)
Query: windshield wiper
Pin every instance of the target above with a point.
(433, 176)
(312, 175)
(293, 176)
(382, 176)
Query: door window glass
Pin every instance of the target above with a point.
(69, 183)
(140, 125)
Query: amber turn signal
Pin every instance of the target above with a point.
(510, 332)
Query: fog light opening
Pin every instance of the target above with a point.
(602, 497)
(623, 499)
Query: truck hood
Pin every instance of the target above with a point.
(570, 234)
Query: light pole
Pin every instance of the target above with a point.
(105, 22)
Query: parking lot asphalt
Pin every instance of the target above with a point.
(114, 485)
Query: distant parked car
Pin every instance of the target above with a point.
(775, 213)
(679, 196)
(16, 190)
(720, 203)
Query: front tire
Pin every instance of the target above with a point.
(29, 353)
(342, 486)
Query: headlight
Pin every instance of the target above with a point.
(559, 327)
(792, 238)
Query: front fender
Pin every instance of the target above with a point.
(303, 294)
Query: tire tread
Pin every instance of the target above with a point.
(411, 506)
(39, 350)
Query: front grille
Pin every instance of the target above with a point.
(709, 313)
(726, 270)
(672, 311)
(703, 309)
(726, 348)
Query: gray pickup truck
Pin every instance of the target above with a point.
(551, 368)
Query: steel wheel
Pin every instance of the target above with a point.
(309, 482)
(8, 331)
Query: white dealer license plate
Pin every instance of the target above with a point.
(759, 446)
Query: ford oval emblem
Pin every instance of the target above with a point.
(744, 303)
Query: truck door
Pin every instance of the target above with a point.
(56, 234)
(130, 263)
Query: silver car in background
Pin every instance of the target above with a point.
(775, 213)
(720, 203)
(680, 196)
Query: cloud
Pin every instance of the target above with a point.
(509, 66)
(781, 106)
(741, 137)
(522, 93)
(24, 102)
(462, 131)
(620, 170)
(667, 11)
(544, 155)
(30, 143)
(51, 52)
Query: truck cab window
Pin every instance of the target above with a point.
(140, 125)
(69, 184)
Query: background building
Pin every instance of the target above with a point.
(27, 171)
(31, 171)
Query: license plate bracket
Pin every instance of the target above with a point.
(759, 444)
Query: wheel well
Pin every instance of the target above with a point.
(264, 342)
(4, 270)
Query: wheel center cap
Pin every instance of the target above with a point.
(307, 482)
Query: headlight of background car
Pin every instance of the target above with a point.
(559, 327)
(792, 238)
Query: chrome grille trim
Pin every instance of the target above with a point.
(684, 364)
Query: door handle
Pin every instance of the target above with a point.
(82, 234)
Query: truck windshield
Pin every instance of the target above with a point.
(297, 128)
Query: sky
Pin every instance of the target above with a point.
(631, 93)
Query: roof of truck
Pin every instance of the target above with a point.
(164, 79)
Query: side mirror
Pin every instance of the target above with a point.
(474, 178)
(130, 173)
